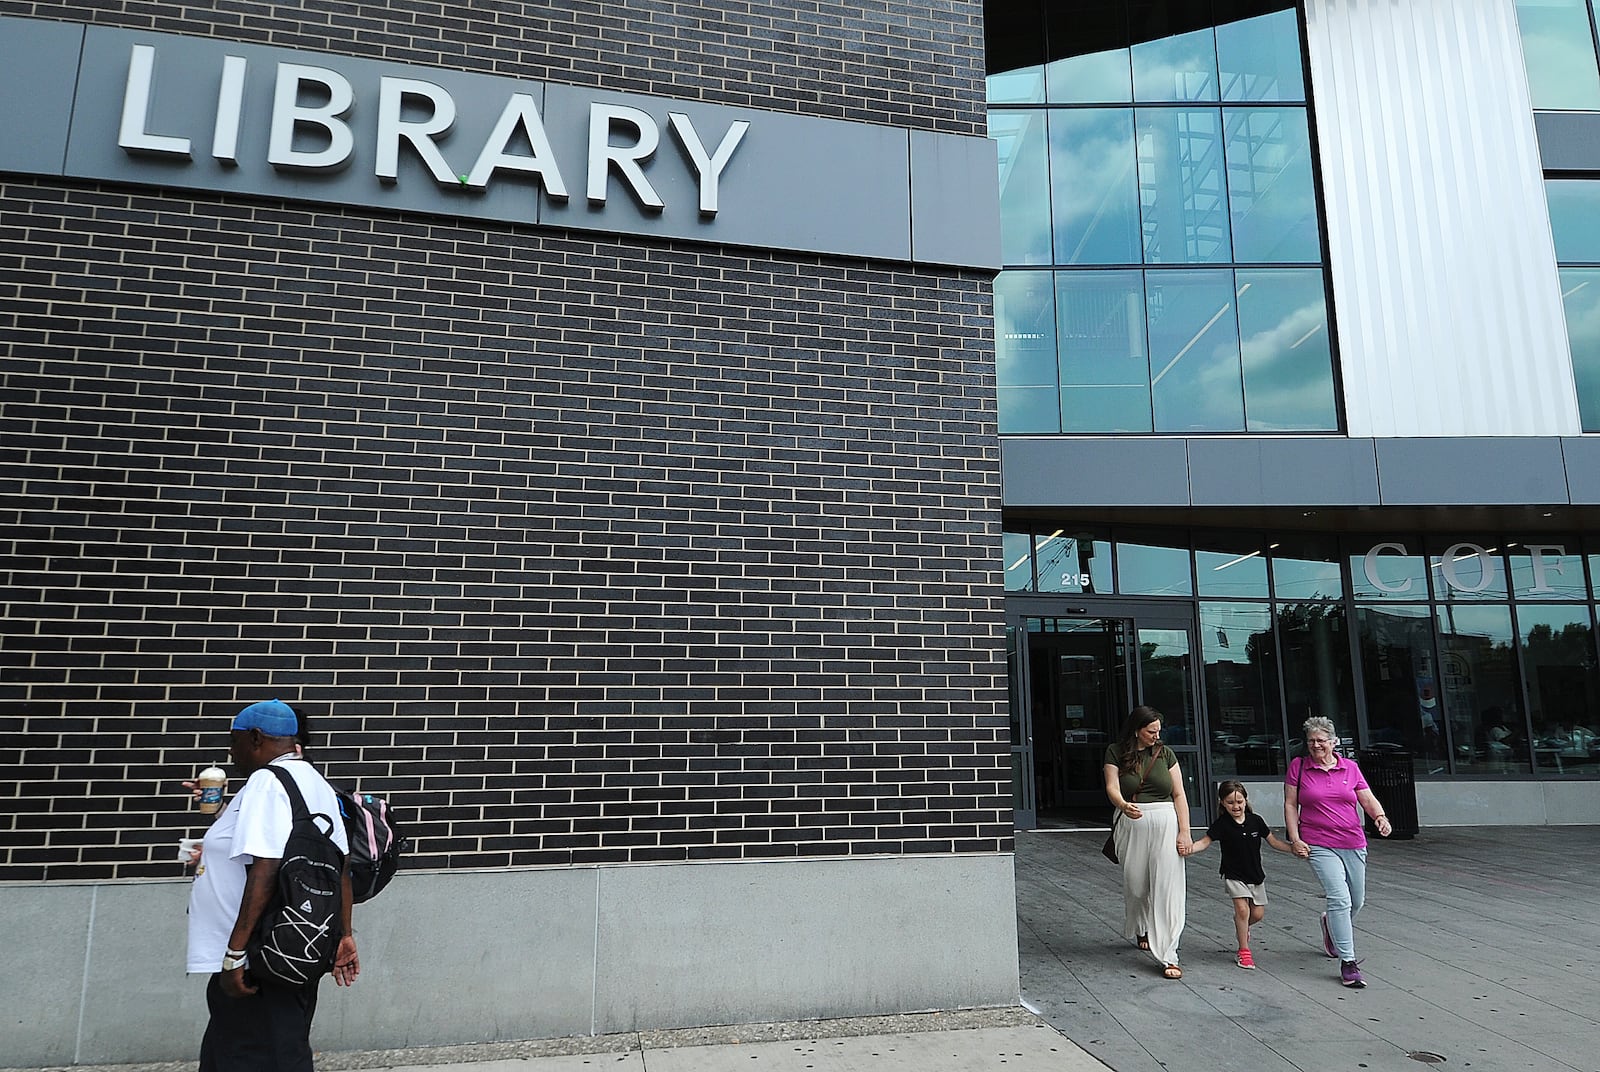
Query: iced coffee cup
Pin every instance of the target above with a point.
(212, 781)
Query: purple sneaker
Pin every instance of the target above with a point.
(1327, 940)
(1350, 974)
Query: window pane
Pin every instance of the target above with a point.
(1547, 571)
(1463, 571)
(1388, 569)
(1013, 43)
(1230, 566)
(1029, 410)
(1575, 219)
(1272, 202)
(1580, 293)
(1396, 645)
(1150, 565)
(1259, 58)
(1074, 561)
(1182, 197)
(1558, 656)
(1018, 550)
(1024, 186)
(1174, 51)
(1306, 567)
(1283, 342)
(1316, 668)
(1478, 683)
(1194, 352)
(1088, 47)
(1558, 48)
(1241, 682)
(1094, 186)
(1025, 329)
(1104, 363)
(1165, 664)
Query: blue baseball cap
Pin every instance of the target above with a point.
(272, 717)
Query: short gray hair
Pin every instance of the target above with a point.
(1325, 725)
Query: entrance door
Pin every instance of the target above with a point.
(1074, 678)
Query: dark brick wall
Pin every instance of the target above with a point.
(580, 550)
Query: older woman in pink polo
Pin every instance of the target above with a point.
(1324, 797)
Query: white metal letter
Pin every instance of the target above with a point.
(519, 112)
(230, 106)
(602, 154)
(136, 111)
(422, 134)
(287, 114)
(708, 168)
(1536, 553)
(1370, 564)
(1447, 566)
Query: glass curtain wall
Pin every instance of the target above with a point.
(1575, 225)
(1477, 659)
(1159, 221)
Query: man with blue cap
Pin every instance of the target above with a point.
(256, 1028)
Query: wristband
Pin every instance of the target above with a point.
(229, 963)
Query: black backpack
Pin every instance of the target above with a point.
(376, 842)
(298, 934)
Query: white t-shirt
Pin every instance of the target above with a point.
(256, 822)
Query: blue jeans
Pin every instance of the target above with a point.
(1343, 874)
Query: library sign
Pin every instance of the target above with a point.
(194, 113)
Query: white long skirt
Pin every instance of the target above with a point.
(1154, 890)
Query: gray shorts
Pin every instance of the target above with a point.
(1257, 893)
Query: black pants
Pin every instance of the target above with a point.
(268, 1031)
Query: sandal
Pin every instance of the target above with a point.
(1172, 971)
(1144, 942)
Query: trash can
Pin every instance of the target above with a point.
(1394, 781)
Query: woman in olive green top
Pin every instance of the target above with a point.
(1151, 830)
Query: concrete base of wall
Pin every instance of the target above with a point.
(1475, 803)
(95, 971)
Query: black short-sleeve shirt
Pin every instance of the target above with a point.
(1241, 846)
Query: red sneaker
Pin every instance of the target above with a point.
(1244, 959)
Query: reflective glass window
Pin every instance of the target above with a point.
(1174, 50)
(1388, 568)
(1104, 360)
(1314, 646)
(1094, 185)
(1397, 669)
(1558, 49)
(1463, 571)
(1183, 198)
(1271, 199)
(1285, 349)
(1024, 185)
(1258, 59)
(1025, 329)
(1073, 560)
(1013, 45)
(1028, 410)
(1152, 565)
(1166, 676)
(1241, 683)
(1088, 52)
(1558, 655)
(1547, 570)
(1230, 566)
(1479, 687)
(1580, 294)
(1305, 567)
(1195, 376)
(1575, 219)
(1018, 550)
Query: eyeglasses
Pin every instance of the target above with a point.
(1318, 740)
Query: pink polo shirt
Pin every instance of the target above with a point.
(1330, 815)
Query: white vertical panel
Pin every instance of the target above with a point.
(1444, 278)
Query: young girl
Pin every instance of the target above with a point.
(1240, 832)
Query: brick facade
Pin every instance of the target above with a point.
(580, 549)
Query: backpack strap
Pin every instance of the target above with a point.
(298, 809)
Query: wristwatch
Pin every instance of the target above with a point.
(235, 958)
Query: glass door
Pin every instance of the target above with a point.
(1168, 683)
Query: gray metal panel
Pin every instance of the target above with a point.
(795, 182)
(38, 66)
(955, 200)
(1478, 471)
(1059, 471)
(1568, 141)
(1583, 469)
(1322, 471)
